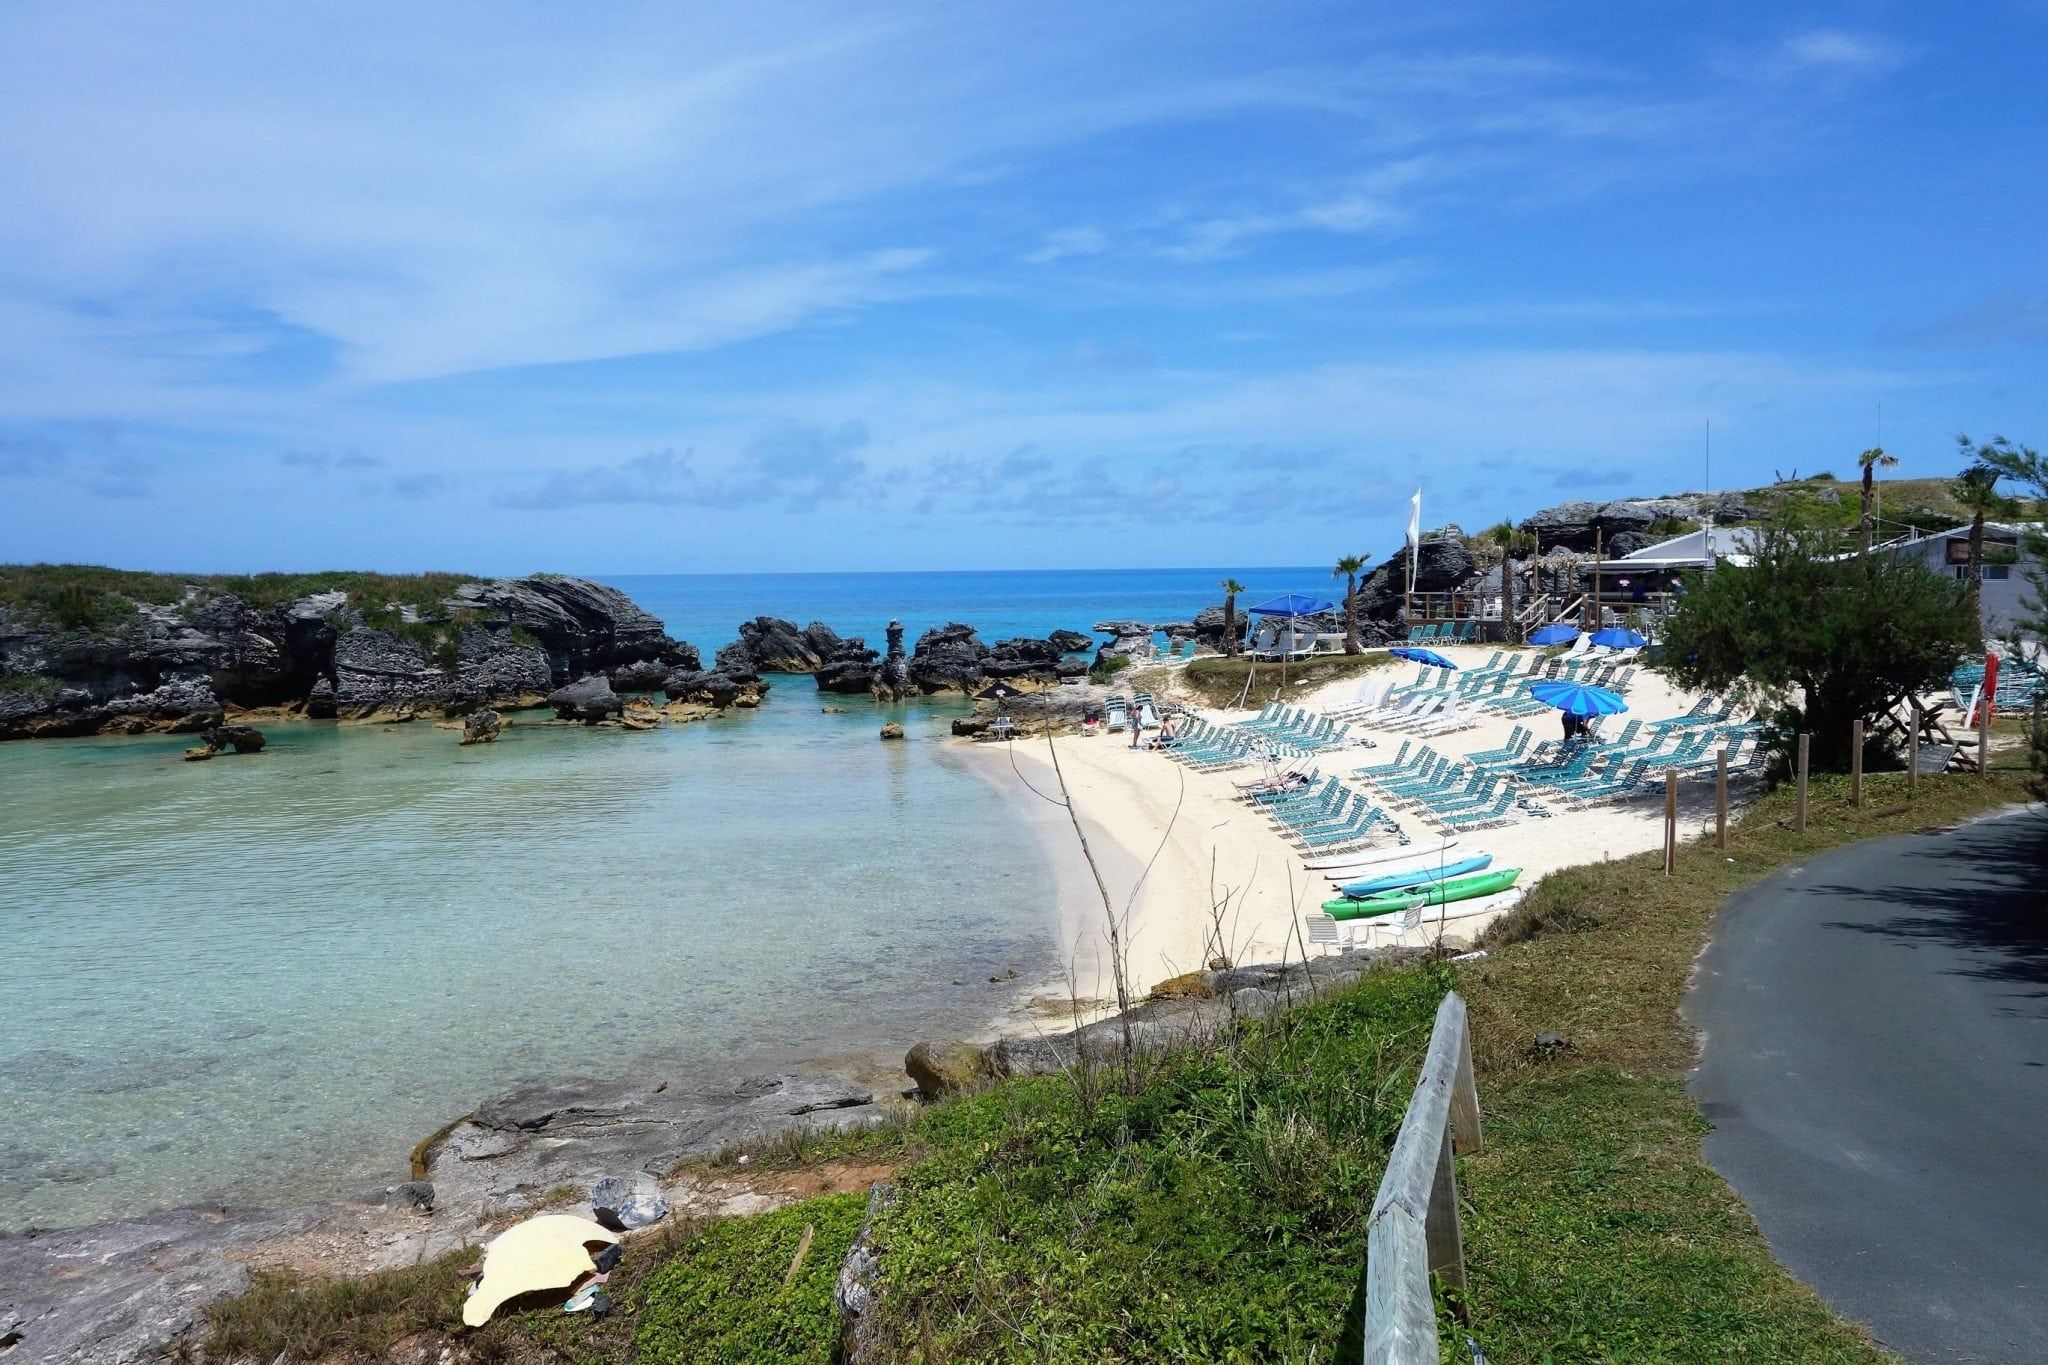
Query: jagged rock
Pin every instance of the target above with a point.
(770, 645)
(948, 657)
(945, 1068)
(589, 700)
(642, 675)
(218, 739)
(1023, 657)
(1070, 641)
(639, 714)
(321, 702)
(1127, 638)
(481, 727)
(851, 668)
(716, 687)
(892, 683)
(684, 712)
(583, 626)
(892, 731)
(823, 640)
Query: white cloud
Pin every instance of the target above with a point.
(1058, 246)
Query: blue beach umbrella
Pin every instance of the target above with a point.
(1421, 656)
(1617, 637)
(1556, 634)
(1577, 698)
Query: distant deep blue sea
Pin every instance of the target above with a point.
(266, 977)
(706, 609)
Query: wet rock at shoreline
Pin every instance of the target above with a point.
(588, 700)
(243, 739)
(892, 731)
(481, 727)
(715, 687)
(639, 714)
(947, 658)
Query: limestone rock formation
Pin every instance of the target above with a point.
(892, 730)
(176, 668)
(243, 739)
(945, 1068)
(947, 658)
(892, 683)
(851, 668)
(1023, 657)
(768, 644)
(718, 687)
(481, 727)
(588, 700)
(1071, 641)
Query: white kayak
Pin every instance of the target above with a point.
(1394, 853)
(1388, 927)
(1424, 868)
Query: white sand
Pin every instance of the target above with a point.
(1215, 848)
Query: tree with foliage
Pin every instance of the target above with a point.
(1509, 539)
(1870, 461)
(1819, 639)
(1348, 569)
(1976, 488)
(2024, 466)
(1231, 588)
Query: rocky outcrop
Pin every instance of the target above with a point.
(892, 730)
(177, 667)
(770, 645)
(481, 727)
(718, 687)
(947, 658)
(1070, 641)
(1023, 657)
(1127, 639)
(851, 668)
(892, 682)
(243, 739)
(589, 700)
(1063, 709)
(945, 1068)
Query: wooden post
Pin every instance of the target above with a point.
(1670, 821)
(1856, 764)
(1721, 797)
(1913, 750)
(1799, 821)
(1442, 1226)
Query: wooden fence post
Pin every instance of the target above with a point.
(1670, 821)
(1799, 821)
(1913, 753)
(1856, 764)
(1721, 797)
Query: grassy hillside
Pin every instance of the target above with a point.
(92, 597)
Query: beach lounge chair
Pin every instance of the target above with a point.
(1327, 933)
(1116, 713)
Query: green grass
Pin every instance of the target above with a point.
(94, 598)
(728, 1295)
(34, 684)
(1219, 681)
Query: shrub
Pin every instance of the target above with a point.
(1108, 668)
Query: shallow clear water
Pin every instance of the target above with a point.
(268, 976)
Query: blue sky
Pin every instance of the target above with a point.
(681, 287)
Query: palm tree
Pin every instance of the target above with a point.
(1347, 569)
(1977, 489)
(1871, 461)
(1509, 539)
(1231, 588)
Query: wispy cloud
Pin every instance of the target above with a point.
(1067, 242)
(789, 466)
(2014, 317)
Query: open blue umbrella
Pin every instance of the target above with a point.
(1617, 637)
(1293, 604)
(1421, 656)
(1577, 698)
(1558, 634)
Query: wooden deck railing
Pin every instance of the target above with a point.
(1415, 1231)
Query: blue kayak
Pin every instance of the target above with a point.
(1394, 881)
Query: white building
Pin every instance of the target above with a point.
(2002, 593)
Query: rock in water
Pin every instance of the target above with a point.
(589, 700)
(947, 658)
(481, 727)
(243, 739)
(892, 731)
(640, 714)
(768, 644)
(893, 682)
(1070, 641)
(716, 687)
(851, 668)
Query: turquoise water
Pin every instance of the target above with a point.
(268, 976)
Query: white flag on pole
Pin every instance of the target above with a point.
(1415, 519)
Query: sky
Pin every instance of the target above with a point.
(681, 287)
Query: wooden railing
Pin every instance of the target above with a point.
(1415, 1231)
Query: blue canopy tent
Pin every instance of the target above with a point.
(1288, 606)
(1557, 633)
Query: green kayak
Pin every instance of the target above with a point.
(1434, 893)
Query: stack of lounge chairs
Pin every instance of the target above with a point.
(1326, 817)
(1445, 633)
(1278, 732)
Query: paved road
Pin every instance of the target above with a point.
(1876, 1069)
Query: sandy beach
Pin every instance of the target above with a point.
(1192, 871)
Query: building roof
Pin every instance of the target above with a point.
(1693, 550)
